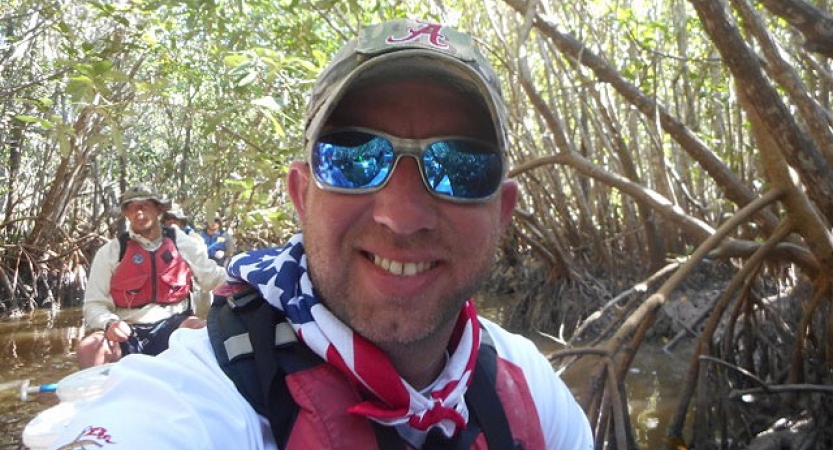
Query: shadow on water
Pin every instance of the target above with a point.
(38, 347)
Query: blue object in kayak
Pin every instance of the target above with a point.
(26, 389)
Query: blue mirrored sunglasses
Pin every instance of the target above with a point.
(360, 160)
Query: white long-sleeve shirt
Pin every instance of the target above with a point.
(99, 307)
(182, 399)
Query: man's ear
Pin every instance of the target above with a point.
(508, 201)
(297, 182)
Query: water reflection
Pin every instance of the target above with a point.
(653, 385)
(37, 343)
(38, 347)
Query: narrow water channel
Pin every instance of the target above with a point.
(39, 347)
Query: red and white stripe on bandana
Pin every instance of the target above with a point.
(282, 278)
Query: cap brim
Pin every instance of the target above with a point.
(164, 204)
(410, 64)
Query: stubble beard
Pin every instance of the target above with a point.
(144, 229)
(333, 282)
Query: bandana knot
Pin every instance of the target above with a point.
(438, 413)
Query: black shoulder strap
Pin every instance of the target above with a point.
(169, 232)
(124, 236)
(257, 348)
(484, 403)
(485, 409)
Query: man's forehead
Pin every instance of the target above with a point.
(422, 100)
(145, 202)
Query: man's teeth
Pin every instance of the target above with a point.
(401, 268)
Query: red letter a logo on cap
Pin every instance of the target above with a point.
(433, 30)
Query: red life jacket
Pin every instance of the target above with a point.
(161, 276)
(323, 395)
(306, 399)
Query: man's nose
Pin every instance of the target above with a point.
(404, 205)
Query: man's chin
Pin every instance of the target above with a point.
(142, 229)
(402, 331)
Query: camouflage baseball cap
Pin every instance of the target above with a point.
(141, 192)
(407, 48)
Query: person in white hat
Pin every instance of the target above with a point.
(140, 285)
(361, 332)
(175, 216)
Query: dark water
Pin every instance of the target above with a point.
(40, 347)
(652, 385)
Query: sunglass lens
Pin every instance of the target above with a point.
(462, 169)
(352, 159)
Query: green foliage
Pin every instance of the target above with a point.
(206, 99)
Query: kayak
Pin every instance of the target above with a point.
(74, 391)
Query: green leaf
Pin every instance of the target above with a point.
(117, 75)
(27, 119)
(235, 60)
(122, 20)
(276, 125)
(101, 67)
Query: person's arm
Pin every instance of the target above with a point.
(207, 273)
(563, 422)
(180, 399)
(99, 308)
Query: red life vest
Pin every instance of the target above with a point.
(161, 276)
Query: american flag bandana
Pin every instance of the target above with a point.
(282, 278)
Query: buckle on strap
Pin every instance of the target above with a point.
(240, 345)
(243, 299)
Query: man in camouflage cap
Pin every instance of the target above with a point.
(361, 332)
(141, 284)
(140, 193)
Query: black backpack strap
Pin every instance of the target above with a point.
(169, 232)
(387, 438)
(257, 348)
(124, 236)
(484, 403)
